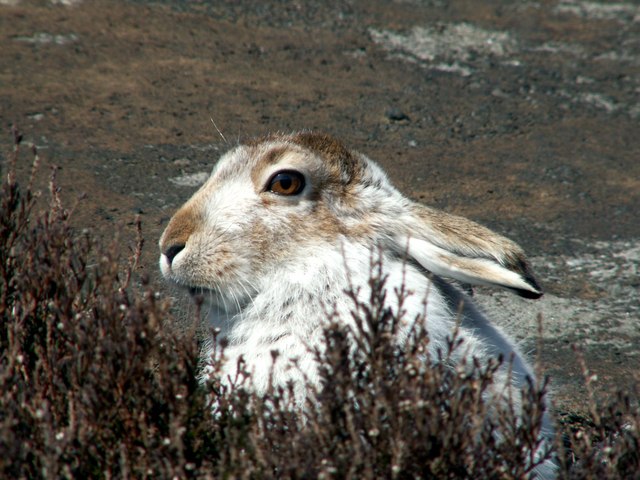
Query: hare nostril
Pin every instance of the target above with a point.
(172, 251)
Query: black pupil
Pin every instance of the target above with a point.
(285, 182)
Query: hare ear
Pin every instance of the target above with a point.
(458, 248)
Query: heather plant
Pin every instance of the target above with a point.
(93, 384)
(604, 442)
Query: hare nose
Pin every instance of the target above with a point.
(172, 251)
(177, 234)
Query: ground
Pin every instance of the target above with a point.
(524, 116)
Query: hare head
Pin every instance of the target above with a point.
(272, 203)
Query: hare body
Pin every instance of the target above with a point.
(286, 225)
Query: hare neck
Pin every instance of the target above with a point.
(291, 308)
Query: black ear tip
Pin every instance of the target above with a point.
(529, 293)
(536, 291)
(524, 270)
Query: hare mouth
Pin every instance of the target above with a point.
(216, 298)
(207, 294)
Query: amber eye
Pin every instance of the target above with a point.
(287, 182)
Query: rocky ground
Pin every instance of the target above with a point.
(524, 116)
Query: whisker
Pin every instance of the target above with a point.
(216, 127)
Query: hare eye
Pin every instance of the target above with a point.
(286, 183)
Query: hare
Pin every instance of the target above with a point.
(286, 224)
